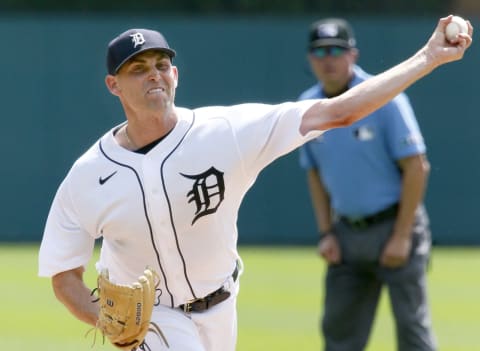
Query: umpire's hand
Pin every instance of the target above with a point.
(329, 249)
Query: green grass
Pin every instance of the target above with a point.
(279, 304)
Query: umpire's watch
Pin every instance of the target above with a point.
(324, 234)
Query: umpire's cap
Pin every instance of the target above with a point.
(331, 32)
(132, 42)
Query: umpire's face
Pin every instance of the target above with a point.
(333, 65)
(145, 83)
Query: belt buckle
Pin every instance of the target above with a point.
(187, 306)
(359, 223)
(363, 224)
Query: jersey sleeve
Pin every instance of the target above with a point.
(403, 132)
(265, 132)
(64, 244)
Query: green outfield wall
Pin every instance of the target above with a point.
(55, 104)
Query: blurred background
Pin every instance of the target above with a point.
(55, 103)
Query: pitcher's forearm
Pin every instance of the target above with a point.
(70, 290)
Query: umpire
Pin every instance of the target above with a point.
(367, 183)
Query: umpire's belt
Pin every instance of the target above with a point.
(365, 222)
(212, 299)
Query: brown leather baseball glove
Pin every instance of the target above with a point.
(125, 310)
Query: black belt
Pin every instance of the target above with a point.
(365, 222)
(212, 299)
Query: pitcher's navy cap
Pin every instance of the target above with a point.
(131, 43)
(331, 32)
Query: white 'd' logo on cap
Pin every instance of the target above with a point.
(137, 39)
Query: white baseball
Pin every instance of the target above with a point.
(457, 25)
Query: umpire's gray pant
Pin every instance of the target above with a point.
(353, 289)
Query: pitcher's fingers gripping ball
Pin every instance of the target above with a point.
(456, 26)
(126, 310)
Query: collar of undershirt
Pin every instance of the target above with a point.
(145, 149)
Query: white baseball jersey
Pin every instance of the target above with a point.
(174, 208)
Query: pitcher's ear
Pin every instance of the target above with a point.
(112, 84)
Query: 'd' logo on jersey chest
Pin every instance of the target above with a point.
(208, 191)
